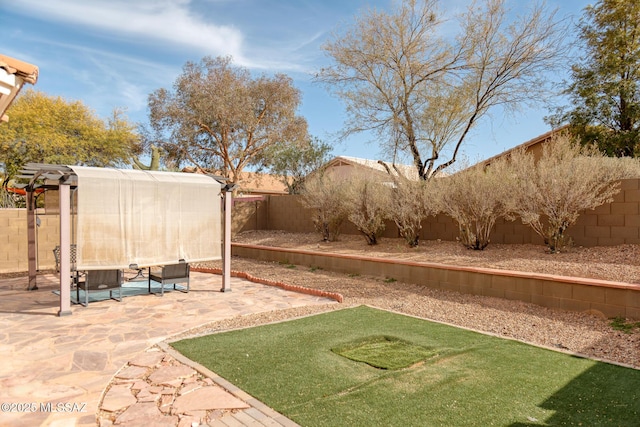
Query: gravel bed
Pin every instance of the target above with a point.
(581, 333)
(617, 263)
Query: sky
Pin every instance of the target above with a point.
(113, 53)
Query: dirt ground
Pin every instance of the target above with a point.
(585, 333)
(616, 263)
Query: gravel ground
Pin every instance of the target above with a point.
(617, 263)
(580, 333)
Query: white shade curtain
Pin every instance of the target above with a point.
(145, 218)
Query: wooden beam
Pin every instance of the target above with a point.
(226, 248)
(31, 241)
(65, 249)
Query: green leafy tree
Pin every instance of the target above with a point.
(422, 92)
(219, 118)
(47, 129)
(294, 162)
(605, 92)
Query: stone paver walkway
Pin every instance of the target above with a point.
(55, 370)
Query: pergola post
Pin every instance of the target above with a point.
(65, 249)
(226, 247)
(31, 241)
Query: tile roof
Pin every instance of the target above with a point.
(540, 139)
(250, 182)
(261, 183)
(13, 74)
(408, 171)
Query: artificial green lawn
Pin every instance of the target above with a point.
(464, 379)
(385, 352)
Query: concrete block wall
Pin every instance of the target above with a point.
(249, 215)
(13, 240)
(614, 223)
(287, 213)
(557, 292)
(13, 248)
(611, 224)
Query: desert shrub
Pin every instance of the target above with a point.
(475, 198)
(566, 180)
(7, 199)
(408, 207)
(324, 194)
(367, 201)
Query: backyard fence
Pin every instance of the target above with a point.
(13, 235)
(610, 224)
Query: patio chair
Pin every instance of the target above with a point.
(100, 280)
(75, 274)
(56, 255)
(173, 273)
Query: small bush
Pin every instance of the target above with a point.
(549, 194)
(325, 194)
(475, 198)
(408, 207)
(367, 200)
(621, 324)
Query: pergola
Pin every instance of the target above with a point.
(130, 218)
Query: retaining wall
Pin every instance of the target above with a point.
(557, 292)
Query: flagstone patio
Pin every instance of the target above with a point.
(55, 369)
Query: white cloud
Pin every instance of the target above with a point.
(103, 79)
(167, 21)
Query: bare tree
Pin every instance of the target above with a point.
(324, 194)
(422, 93)
(475, 198)
(550, 194)
(220, 118)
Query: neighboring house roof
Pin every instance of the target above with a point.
(533, 145)
(13, 74)
(261, 183)
(251, 182)
(408, 171)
